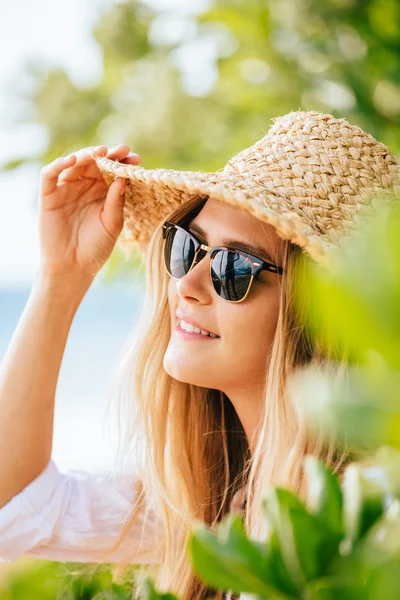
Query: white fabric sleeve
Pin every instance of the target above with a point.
(76, 516)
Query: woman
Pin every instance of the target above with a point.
(210, 406)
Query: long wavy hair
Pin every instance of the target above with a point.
(187, 441)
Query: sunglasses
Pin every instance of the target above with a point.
(232, 271)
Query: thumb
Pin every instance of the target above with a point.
(113, 209)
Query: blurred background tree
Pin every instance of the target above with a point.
(187, 88)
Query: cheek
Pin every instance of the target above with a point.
(249, 330)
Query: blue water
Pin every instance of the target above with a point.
(94, 346)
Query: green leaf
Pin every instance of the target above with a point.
(228, 560)
(277, 503)
(363, 503)
(278, 565)
(316, 544)
(325, 499)
(149, 592)
(356, 303)
(382, 540)
(332, 588)
(384, 581)
(387, 461)
(307, 546)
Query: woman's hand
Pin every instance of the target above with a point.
(80, 217)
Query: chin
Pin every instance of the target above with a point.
(185, 375)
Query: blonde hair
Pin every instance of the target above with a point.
(192, 450)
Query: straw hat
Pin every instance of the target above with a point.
(312, 176)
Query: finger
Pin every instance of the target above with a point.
(99, 151)
(85, 160)
(112, 215)
(122, 154)
(49, 174)
(132, 159)
(86, 165)
(83, 154)
(119, 150)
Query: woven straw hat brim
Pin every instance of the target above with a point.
(152, 194)
(313, 177)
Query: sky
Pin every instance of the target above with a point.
(58, 34)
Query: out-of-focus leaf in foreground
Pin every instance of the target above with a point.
(357, 301)
(353, 310)
(343, 544)
(229, 560)
(149, 591)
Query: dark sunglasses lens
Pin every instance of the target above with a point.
(179, 252)
(231, 275)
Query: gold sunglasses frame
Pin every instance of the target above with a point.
(257, 264)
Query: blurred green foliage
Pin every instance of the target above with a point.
(31, 579)
(188, 89)
(343, 543)
(357, 304)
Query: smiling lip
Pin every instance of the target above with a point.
(191, 321)
(187, 319)
(192, 334)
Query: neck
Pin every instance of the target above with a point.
(248, 404)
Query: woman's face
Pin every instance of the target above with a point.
(238, 358)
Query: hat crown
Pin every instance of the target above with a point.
(326, 166)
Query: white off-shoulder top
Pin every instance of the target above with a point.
(77, 516)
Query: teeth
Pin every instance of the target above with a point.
(187, 326)
(191, 328)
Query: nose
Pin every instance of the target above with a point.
(196, 282)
